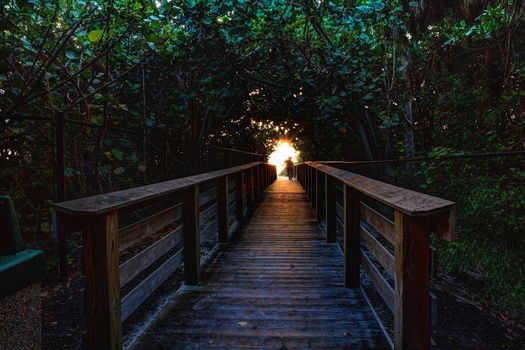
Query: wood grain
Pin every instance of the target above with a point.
(385, 258)
(120, 199)
(380, 223)
(382, 286)
(409, 202)
(222, 209)
(136, 232)
(190, 219)
(138, 263)
(278, 285)
(331, 233)
(351, 237)
(100, 257)
(412, 327)
(141, 292)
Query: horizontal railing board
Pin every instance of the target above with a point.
(107, 202)
(380, 223)
(142, 260)
(407, 201)
(385, 258)
(383, 287)
(207, 214)
(136, 232)
(207, 197)
(209, 231)
(136, 297)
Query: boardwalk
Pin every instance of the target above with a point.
(278, 285)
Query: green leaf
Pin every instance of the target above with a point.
(71, 54)
(117, 154)
(95, 35)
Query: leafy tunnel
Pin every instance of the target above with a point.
(341, 79)
(345, 79)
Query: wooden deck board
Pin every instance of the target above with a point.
(279, 285)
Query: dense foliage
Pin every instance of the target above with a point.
(352, 80)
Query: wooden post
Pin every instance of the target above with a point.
(305, 179)
(319, 195)
(190, 219)
(331, 211)
(239, 202)
(352, 231)
(249, 189)
(314, 189)
(412, 327)
(222, 209)
(102, 294)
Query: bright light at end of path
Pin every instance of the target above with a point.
(282, 152)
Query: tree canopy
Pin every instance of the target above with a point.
(343, 79)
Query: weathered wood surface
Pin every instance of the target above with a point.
(100, 258)
(277, 285)
(120, 199)
(409, 202)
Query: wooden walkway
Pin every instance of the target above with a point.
(277, 285)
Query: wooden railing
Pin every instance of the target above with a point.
(230, 194)
(385, 232)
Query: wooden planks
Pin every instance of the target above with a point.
(121, 199)
(351, 236)
(190, 220)
(412, 327)
(136, 232)
(136, 297)
(382, 286)
(100, 264)
(278, 285)
(138, 263)
(385, 258)
(407, 201)
(380, 223)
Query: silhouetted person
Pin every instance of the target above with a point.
(289, 167)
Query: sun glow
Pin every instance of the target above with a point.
(281, 152)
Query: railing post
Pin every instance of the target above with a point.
(102, 294)
(352, 232)
(190, 219)
(314, 189)
(249, 190)
(305, 180)
(222, 209)
(239, 200)
(319, 195)
(309, 181)
(331, 210)
(257, 188)
(412, 327)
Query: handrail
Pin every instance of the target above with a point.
(194, 218)
(407, 201)
(106, 202)
(367, 233)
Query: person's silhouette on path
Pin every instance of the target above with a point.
(289, 167)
